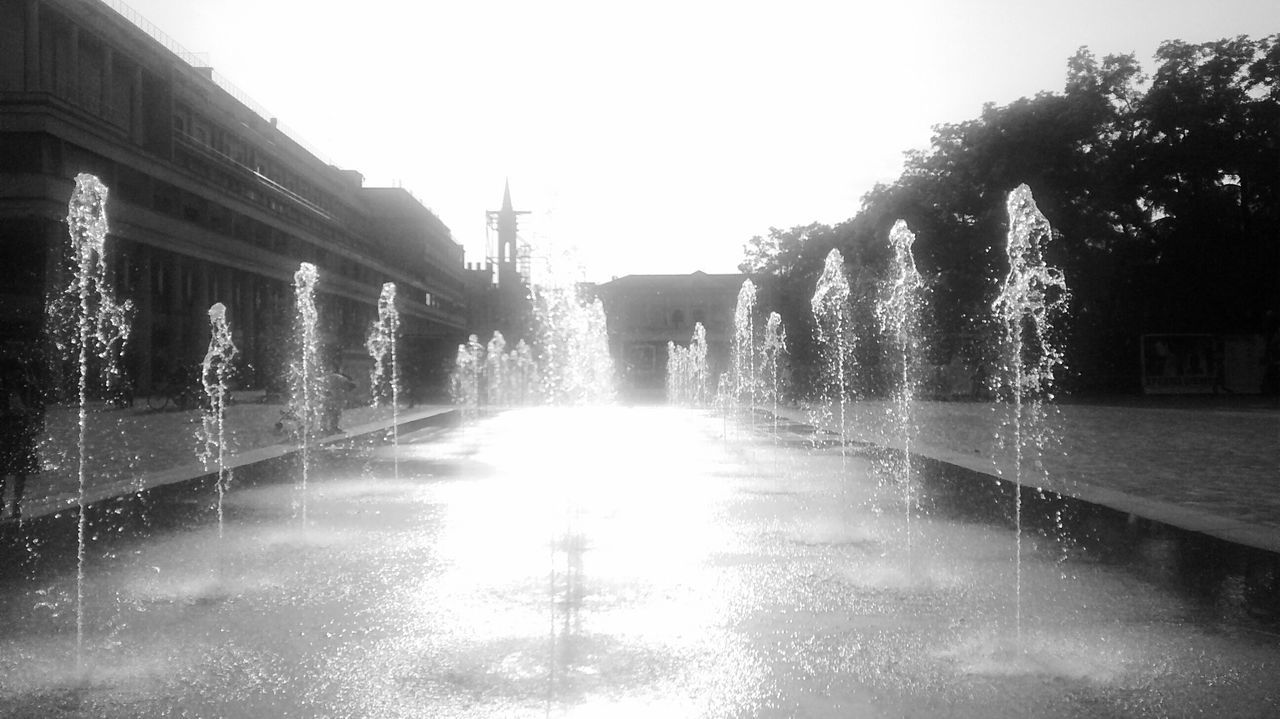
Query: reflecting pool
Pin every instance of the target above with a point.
(612, 562)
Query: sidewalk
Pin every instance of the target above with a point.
(128, 450)
(1210, 470)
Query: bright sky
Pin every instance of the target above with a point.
(657, 136)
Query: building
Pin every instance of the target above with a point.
(210, 201)
(645, 312)
(498, 290)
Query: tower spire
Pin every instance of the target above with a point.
(506, 223)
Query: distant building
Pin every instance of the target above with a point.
(644, 312)
(209, 201)
(498, 290)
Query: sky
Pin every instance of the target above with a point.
(658, 136)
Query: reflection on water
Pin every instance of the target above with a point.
(618, 562)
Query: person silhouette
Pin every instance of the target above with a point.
(21, 423)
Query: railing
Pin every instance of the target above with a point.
(261, 178)
(197, 60)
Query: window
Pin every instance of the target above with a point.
(641, 358)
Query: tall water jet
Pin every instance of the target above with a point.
(573, 346)
(898, 311)
(459, 387)
(495, 371)
(474, 366)
(687, 369)
(698, 371)
(677, 358)
(306, 383)
(724, 388)
(88, 327)
(772, 349)
(465, 380)
(492, 376)
(215, 373)
(834, 327)
(744, 348)
(384, 377)
(1032, 299)
(598, 378)
(523, 373)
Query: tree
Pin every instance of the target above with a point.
(1163, 200)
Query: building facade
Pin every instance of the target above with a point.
(645, 312)
(499, 296)
(210, 201)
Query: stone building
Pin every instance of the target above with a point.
(498, 294)
(644, 312)
(210, 200)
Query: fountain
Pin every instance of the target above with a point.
(687, 370)
(570, 364)
(834, 328)
(898, 311)
(676, 373)
(697, 365)
(573, 347)
(689, 576)
(523, 371)
(743, 355)
(86, 324)
(464, 382)
(495, 371)
(306, 377)
(215, 372)
(1031, 301)
(384, 378)
(775, 345)
(492, 377)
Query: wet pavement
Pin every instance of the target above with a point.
(136, 449)
(1210, 464)
(622, 562)
(1208, 467)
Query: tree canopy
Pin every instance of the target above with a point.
(1161, 189)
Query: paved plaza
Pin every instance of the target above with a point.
(132, 449)
(1211, 466)
(612, 562)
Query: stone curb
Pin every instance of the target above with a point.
(1170, 513)
(55, 504)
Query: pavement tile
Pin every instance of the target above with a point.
(1212, 468)
(131, 449)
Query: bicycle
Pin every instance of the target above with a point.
(181, 393)
(166, 396)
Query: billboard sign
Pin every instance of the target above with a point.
(1180, 364)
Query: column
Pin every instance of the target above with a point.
(107, 100)
(72, 84)
(176, 324)
(201, 296)
(135, 109)
(145, 322)
(251, 294)
(32, 48)
(55, 240)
